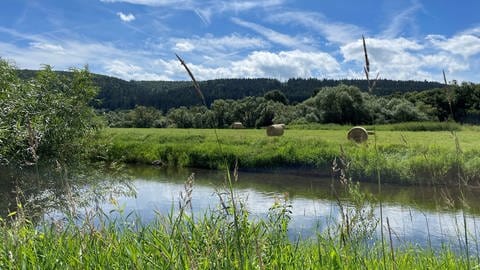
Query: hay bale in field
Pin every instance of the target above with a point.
(237, 125)
(358, 134)
(275, 130)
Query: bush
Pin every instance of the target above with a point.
(47, 117)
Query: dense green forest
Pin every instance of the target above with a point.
(340, 104)
(261, 102)
(163, 95)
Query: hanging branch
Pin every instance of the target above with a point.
(195, 83)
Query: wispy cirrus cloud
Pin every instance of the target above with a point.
(217, 51)
(53, 48)
(148, 2)
(126, 17)
(402, 20)
(238, 6)
(216, 5)
(205, 9)
(335, 32)
(272, 35)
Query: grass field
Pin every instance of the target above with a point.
(403, 156)
(227, 237)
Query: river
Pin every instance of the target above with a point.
(417, 215)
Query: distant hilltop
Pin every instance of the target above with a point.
(116, 93)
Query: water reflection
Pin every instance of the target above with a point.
(417, 215)
(315, 185)
(426, 216)
(52, 190)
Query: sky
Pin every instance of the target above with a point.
(282, 39)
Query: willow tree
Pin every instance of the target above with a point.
(47, 118)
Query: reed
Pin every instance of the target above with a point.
(177, 240)
(228, 178)
(371, 87)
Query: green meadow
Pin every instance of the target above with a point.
(430, 157)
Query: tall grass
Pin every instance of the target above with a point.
(179, 240)
(371, 87)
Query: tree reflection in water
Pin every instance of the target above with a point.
(59, 192)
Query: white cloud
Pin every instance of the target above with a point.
(210, 44)
(466, 44)
(445, 61)
(126, 17)
(183, 46)
(123, 69)
(475, 31)
(282, 65)
(392, 58)
(62, 55)
(405, 59)
(336, 32)
(380, 50)
(286, 64)
(238, 56)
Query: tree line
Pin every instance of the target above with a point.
(261, 102)
(342, 104)
(116, 93)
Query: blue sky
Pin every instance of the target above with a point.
(138, 39)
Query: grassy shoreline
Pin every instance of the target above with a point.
(209, 243)
(426, 157)
(225, 237)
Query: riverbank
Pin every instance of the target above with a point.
(217, 240)
(426, 157)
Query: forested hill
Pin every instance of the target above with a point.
(120, 94)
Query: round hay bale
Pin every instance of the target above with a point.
(358, 134)
(275, 130)
(237, 125)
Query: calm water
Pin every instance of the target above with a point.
(417, 215)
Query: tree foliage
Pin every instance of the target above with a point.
(164, 95)
(277, 96)
(47, 117)
(341, 104)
